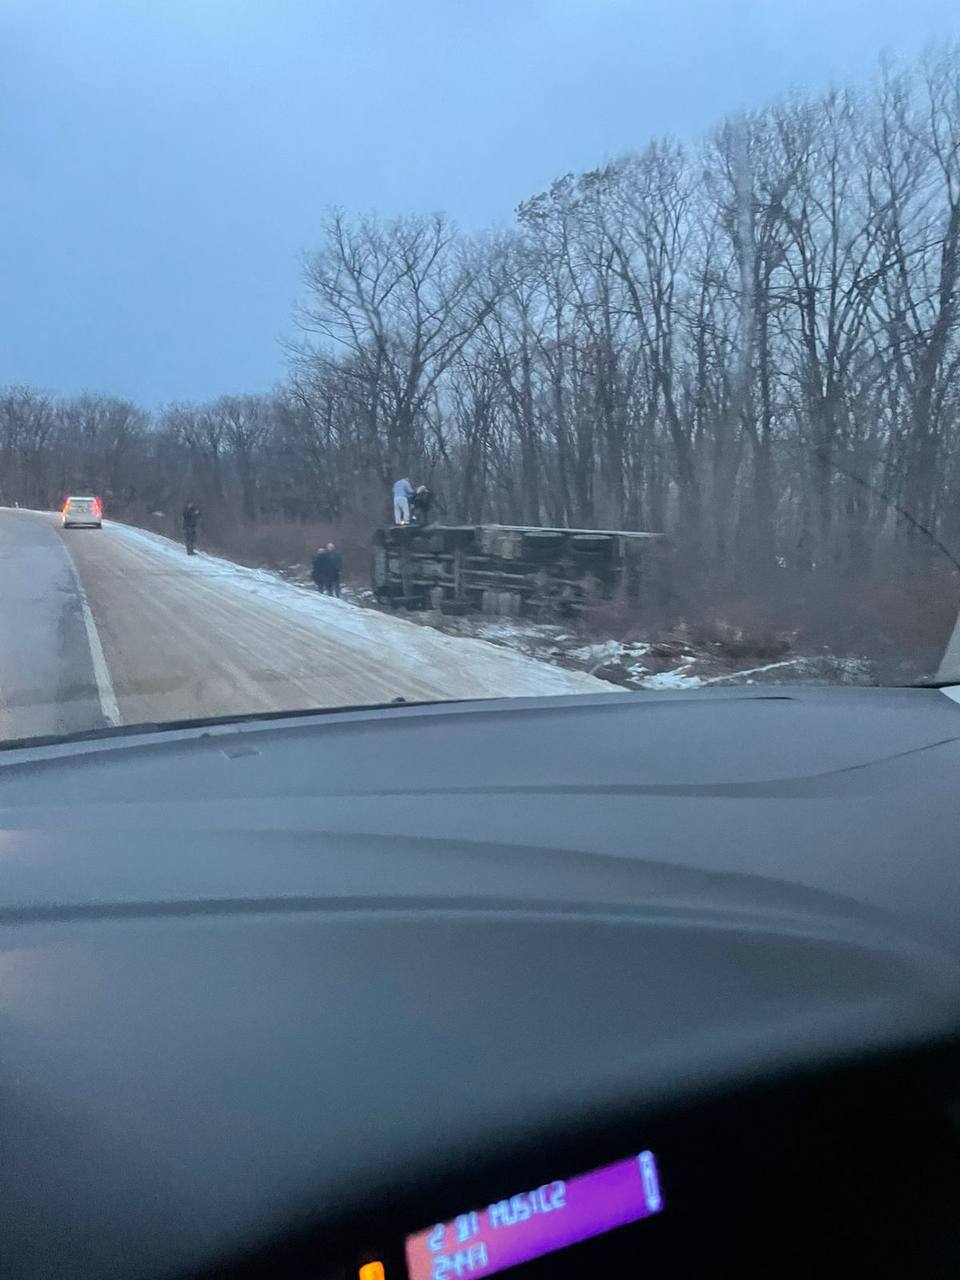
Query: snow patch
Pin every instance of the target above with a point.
(607, 651)
(756, 671)
(676, 679)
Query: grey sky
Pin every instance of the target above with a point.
(165, 161)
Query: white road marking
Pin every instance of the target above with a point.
(109, 706)
(952, 692)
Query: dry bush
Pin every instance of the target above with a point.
(617, 618)
(897, 615)
(901, 622)
(276, 544)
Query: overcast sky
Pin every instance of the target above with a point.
(165, 162)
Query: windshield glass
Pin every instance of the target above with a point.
(427, 351)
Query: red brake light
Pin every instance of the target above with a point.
(97, 505)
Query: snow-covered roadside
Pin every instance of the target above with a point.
(461, 662)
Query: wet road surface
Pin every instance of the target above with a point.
(47, 683)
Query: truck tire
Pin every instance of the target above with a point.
(591, 544)
(542, 546)
(378, 570)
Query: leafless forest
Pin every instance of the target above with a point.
(750, 344)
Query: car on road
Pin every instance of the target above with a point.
(82, 511)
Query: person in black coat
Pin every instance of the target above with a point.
(326, 570)
(190, 519)
(336, 569)
(420, 505)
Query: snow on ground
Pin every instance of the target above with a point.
(458, 662)
(511, 631)
(671, 663)
(676, 679)
(749, 672)
(699, 671)
(597, 654)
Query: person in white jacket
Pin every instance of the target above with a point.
(402, 493)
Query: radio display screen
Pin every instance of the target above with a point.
(527, 1225)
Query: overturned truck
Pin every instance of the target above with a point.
(510, 569)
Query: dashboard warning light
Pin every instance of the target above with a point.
(372, 1271)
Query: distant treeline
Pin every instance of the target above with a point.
(750, 344)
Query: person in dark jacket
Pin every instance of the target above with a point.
(190, 519)
(326, 570)
(420, 505)
(336, 568)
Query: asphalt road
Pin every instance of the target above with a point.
(47, 681)
(118, 626)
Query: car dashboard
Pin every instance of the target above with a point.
(853, 1173)
(670, 986)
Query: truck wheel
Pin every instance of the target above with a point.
(590, 544)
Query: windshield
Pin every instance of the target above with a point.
(434, 351)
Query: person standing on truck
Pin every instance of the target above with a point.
(402, 493)
(190, 519)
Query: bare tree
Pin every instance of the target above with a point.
(399, 298)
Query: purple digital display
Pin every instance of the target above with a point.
(532, 1223)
